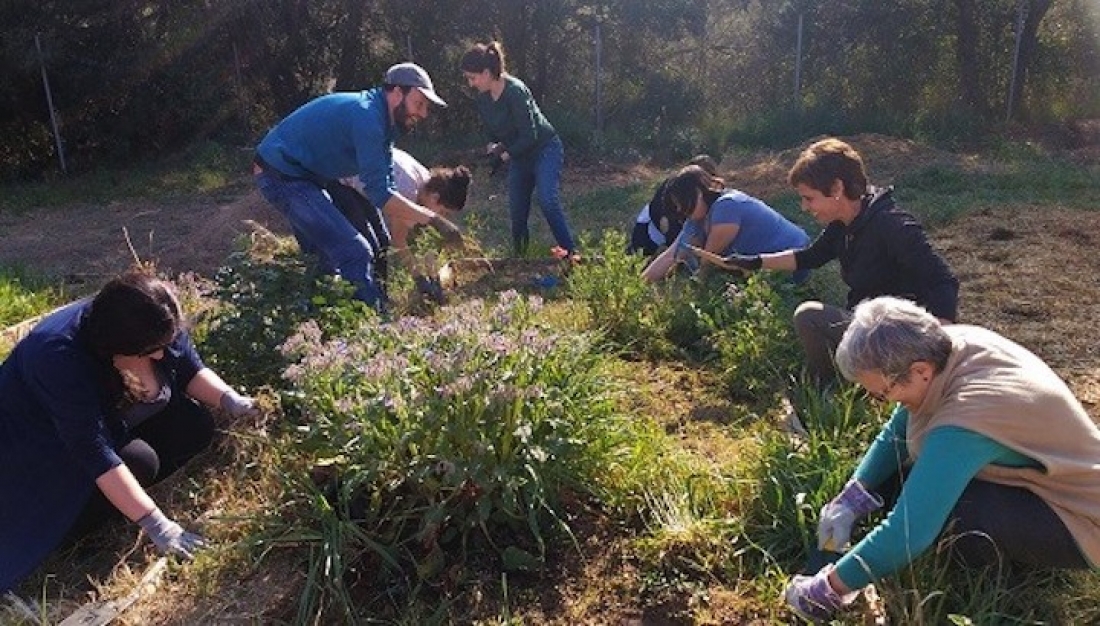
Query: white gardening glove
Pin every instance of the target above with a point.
(237, 405)
(834, 527)
(169, 537)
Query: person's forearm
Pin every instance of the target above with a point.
(658, 268)
(779, 261)
(207, 387)
(126, 494)
(398, 207)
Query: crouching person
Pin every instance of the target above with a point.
(1000, 457)
(104, 397)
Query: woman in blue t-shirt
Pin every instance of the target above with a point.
(723, 221)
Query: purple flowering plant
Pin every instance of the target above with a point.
(452, 433)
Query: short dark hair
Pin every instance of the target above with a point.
(826, 161)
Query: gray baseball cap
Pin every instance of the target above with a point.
(412, 75)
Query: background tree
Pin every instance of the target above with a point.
(132, 80)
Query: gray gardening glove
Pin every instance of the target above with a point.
(169, 537)
(237, 405)
(812, 597)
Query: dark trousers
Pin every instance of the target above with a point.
(819, 328)
(368, 220)
(640, 241)
(161, 445)
(994, 524)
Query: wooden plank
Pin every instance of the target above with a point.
(101, 613)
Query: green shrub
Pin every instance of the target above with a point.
(622, 306)
(443, 436)
(265, 292)
(23, 296)
(753, 336)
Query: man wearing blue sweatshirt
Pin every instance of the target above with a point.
(336, 136)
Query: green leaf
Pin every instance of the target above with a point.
(516, 559)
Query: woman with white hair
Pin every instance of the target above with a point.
(985, 435)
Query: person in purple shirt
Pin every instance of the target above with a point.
(103, 398)
(337, 136)
(720, 220)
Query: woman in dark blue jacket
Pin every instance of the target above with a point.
(100, 400)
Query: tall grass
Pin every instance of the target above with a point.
(23, 296)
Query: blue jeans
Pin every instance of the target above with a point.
(539, 172)
(320, 227)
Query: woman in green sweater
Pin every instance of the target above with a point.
(520, 135)
(997, 456)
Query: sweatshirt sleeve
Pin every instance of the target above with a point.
(950, 459)
(888, 452)
(521, 110)
(63, 382)
(821, 250)
(375, 161)
(187, 360)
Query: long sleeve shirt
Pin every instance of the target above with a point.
(514, 119)
(950, 459)
(336, 136)
(884, 252)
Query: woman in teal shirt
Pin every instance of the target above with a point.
(998, 456)
(521, 136)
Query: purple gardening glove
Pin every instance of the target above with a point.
(834, 527)
(237, 405)
(169, 537)
(813, 598)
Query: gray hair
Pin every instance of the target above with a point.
(888, 335)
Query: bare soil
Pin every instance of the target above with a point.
(1031, 273)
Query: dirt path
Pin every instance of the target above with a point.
(87, 243)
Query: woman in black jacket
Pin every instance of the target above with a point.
(883, 251)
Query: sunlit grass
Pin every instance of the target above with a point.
(22, 297)
(204, 169)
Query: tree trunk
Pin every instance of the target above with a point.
(966, 56)
(1029, 44)
(354, 53)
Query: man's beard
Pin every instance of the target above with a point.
(401, 117)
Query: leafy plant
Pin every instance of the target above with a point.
(23, 296)
(752, 336)
(265, 291)
(443, 436)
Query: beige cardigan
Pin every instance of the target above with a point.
(999, 389)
